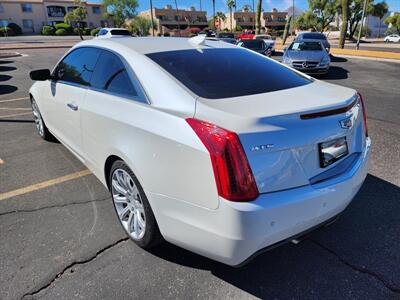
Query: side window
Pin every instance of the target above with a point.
(78, 66)
(102, 32)
(110, 75)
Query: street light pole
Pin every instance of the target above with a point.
(362, 24)
(151, 16)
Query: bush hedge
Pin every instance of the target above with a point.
(61, 32)
(6, 31)
(95, 31)
(15, 27)
(48, 30)
(68, 28)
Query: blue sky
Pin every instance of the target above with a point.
(394, 5)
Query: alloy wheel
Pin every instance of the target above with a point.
(128, 204)
(38, 118)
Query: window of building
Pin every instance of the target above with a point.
(110, 75)
(56, 11)
(28, 24)
(71, 8)
(26, 7)
(96, 10)
(78, 66)
(1, 8)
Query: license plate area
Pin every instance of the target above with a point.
(332, 151)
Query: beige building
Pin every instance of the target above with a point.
(167, 19)
(246, 20)
(31, 15)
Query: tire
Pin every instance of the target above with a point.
(41, 127)
(132, 207)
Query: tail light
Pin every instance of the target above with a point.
(232, 172)
(364, 113)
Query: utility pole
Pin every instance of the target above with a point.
(178, 17)
(362, 24)
(291, 26)
(151, 16)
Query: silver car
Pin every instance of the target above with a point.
(307, 56)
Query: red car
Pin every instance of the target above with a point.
(249, 34)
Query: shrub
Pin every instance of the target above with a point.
(64, 26)
(6, 31)
(95, 31)
(61, 32)
(167, 34)
(87, 31)
(48, 30)
(15, 27)
(194, 30)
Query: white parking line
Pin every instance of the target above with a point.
(15, 115)
(15, 99)
(16, 108)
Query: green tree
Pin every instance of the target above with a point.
(140, 26)
(221, 18)
(258, 16)
(355, 11)
(379, 10)
(230, 4)
(319, 14)
(345, 20)
(77, 16)
(394, 21)
(120, 10)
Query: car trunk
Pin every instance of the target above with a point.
(281, 142)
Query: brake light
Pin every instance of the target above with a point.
(364, 113)
(232, 172)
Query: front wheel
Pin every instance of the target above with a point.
(41, 127)
(132, 207)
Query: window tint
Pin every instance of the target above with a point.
(314, 36)
(253, 44)
(111, 75)
(306, 46)
(120, 32)
(103, 32)
(78, 66)
(230, 72)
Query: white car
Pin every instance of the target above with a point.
(106, 33)
(201, 148)
(393, 38)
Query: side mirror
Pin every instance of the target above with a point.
(40, 75)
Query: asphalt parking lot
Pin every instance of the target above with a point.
(60, 238)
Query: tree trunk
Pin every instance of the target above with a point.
(213, 3)
(80, 30)
(343, 28)
(258, 17)
(379, 30)
(230, 12)
(285, 32)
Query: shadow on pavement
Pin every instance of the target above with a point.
(368, 231)
(5, 77)
(336, 73)
(3, 62)
(7, 68)
(7, 89)
(16, 121)
(338, 59)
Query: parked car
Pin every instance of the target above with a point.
(393, 38)
(225, 35)
(255, 45)
(207, 145)
(228, 40)
(106, 33)
(246, 34)
(308, 56)
(314, 36)
(268, 40)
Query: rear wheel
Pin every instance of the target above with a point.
(132, 207)
(41, 127)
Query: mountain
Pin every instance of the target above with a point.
(297, 11)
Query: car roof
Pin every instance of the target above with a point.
(145, 45)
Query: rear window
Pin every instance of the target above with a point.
(222, 73)
(226, 35)
(252, 44)
(306, 46)
(314, 36)
(120, 32)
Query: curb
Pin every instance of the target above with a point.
(35, 47)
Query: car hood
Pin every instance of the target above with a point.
(306, 55)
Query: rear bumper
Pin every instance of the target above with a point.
(235, 231)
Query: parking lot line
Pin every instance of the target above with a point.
(16, 108)
(15, 99)
(15, 115)
(44, 184)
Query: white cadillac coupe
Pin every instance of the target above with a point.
(207, 145)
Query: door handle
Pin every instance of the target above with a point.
(72, 106)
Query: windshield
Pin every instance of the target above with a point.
(120, 32)
(314, 36)
(306, 46)
(252, 44)
(230, 72)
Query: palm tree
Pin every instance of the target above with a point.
(345, 20)
(221, 17)
(258, 17)
(230, 4)
(379, 10)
